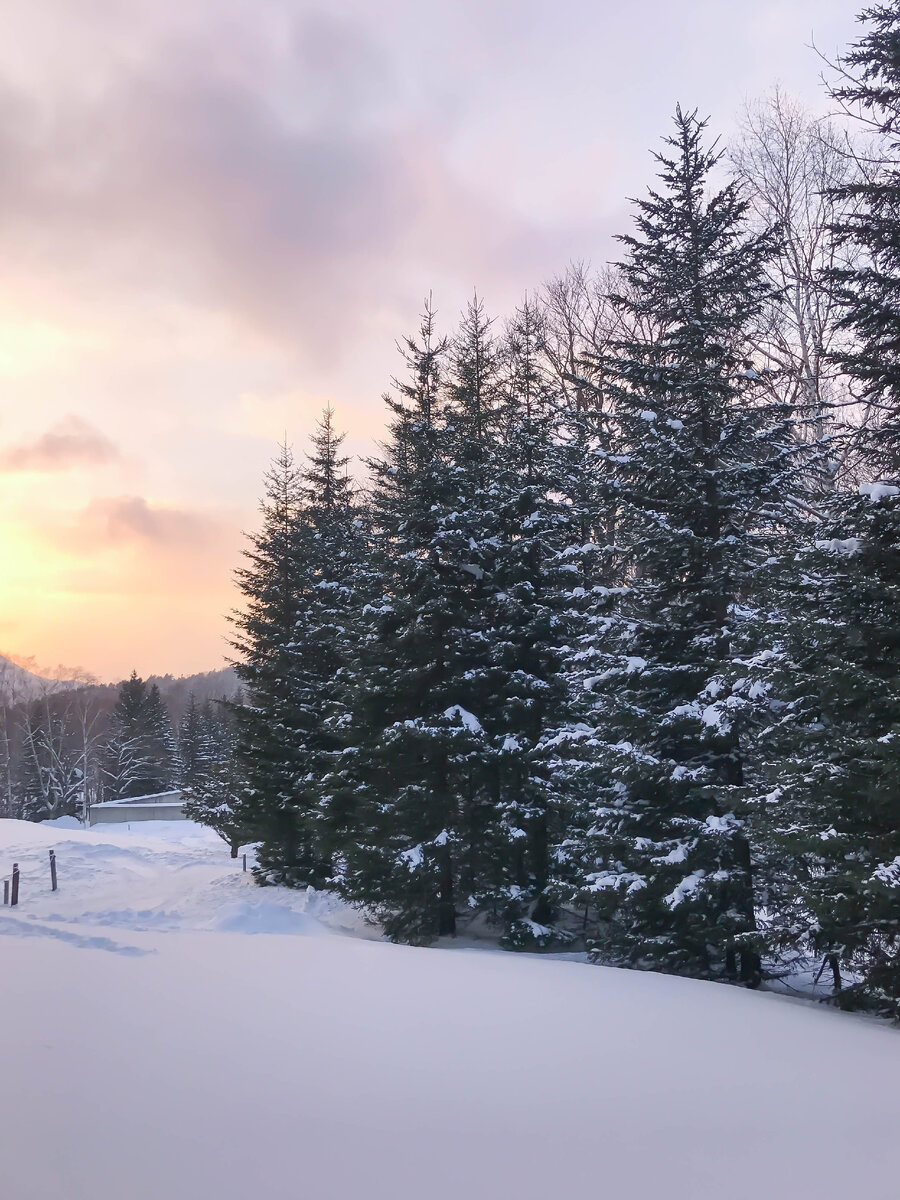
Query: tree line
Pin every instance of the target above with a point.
(606, 649)
(70, 745)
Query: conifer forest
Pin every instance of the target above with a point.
(602, 646)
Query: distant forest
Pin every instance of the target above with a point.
(65, 745)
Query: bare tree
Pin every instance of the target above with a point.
(60, 737)
(792, 164)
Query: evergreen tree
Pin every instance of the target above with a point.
(269, 720)
(869, 286)
(292, 637)
(409, 741)
(216, 794)
(833, 742)
(193, 747)
(701, 456)
(141, 757)
(527, 622)
(336, 552)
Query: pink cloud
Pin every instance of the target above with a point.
(71, 443)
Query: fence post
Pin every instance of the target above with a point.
(6, 891)
(14, 898)
(245, 862)
(52, 870)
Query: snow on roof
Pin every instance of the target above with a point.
(157, 798)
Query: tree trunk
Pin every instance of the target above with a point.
(446, 903)
(835, 965)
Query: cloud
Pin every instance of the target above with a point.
(135, 521)
(71, 443)
(295, 186)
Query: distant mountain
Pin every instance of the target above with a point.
(207, 685)
(18, 683)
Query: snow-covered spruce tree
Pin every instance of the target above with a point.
(526, 623)
(275, 587)
(701, 454)
(193, 748)
(216, 794)
(140, 757)
(327, 635)
(826, 825)
(410, 741)
(467, 544)
(834, 743)
(290, 639)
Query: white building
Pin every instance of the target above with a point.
(163, 806)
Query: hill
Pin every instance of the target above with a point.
(228, 1040)
(18, 683)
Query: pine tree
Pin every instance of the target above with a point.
(270, 719)
(141, 757)
(701, 453)
(327, 638)
(833, 743)
(409, 741)
(292, 639)
(527, 623)
(193, 747)
(216, 794)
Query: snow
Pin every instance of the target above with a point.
(878, 491)
(845, 546)
(685, 888)
(413, 858)
(466, 719)
(171, 1030)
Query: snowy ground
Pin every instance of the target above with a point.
(168, 1030)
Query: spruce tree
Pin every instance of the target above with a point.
(140, 756)
(293, 637)
(334, 547)
(216, 793)
(700, 456)
(193, 749)
(833, 741)
(271, 721)
(527, 623)
(410, 743)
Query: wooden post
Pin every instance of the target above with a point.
(6, 891)
(245, 862)
(14, 898)
(52, 870)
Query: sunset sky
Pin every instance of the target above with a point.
(217, 215)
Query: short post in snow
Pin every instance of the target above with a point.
(14, 898)
(245, 862)
(52, 870)
(6, 891)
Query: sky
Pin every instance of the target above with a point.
(217, 216)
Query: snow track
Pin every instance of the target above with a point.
(152, 1048)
